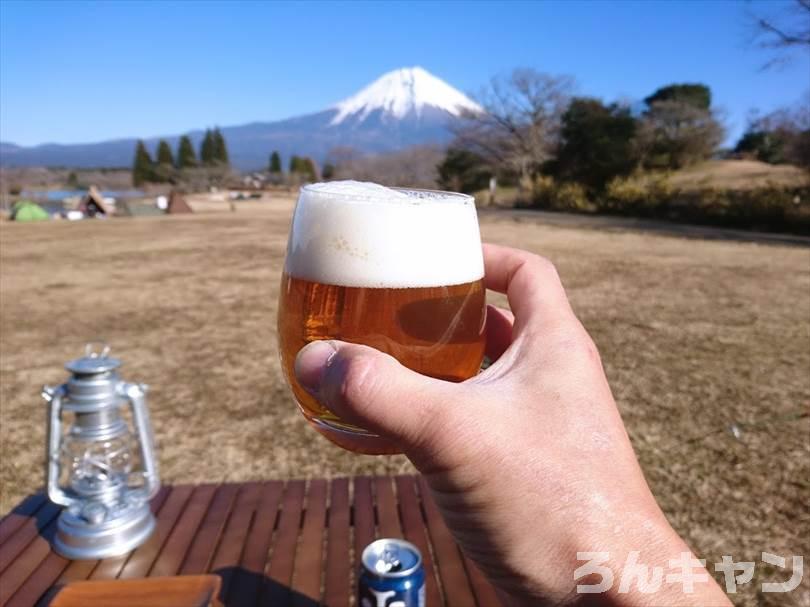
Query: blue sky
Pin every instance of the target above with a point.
(85, 71)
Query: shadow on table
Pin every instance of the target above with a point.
(43, 514)
(243, 588)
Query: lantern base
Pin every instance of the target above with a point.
(122, 530)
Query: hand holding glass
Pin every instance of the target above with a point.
(399, 270)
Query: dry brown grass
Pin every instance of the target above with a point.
(695, 336)
(739, 175)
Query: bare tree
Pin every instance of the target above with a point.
(786, 31)
(519, 126)
(411, 167)
(780, 136)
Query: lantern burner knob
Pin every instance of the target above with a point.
(94, 513)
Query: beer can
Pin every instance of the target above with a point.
(391, 575)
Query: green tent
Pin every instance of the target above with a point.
(25, 210)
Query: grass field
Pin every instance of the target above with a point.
(698, 338)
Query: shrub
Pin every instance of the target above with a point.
(772, 207)
(637, 195)
(565, 196)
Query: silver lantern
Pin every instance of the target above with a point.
(110, 471)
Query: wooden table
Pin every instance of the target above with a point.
(272, 543)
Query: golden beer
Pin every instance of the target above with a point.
(347, 277)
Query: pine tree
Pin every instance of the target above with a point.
(308, 169)
(220, 150)
(186, 158)
(142, 166)
(164, 154)
(207, 149)
(295, 164)
(275, 162)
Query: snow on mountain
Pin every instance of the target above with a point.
(402, 92)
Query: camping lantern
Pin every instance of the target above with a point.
(106, 494)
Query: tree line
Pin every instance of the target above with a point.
(299, 167)
(168, 167)
(534, 126)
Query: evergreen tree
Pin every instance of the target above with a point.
(307, 168)
(462, 171)
(696, 95)
(275, 162)
(328, 171)
(295, 164)
(220, 150)
(679, 126)
(164, 154)
(186, 158)
(142, 166)
(597, 143)
(207, 149)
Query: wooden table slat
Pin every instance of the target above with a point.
(39, 581)
(248, 582)
(25, 562)
(229, 552)
(26, 533)
(271, 543)
(309, 556)
(363, 514)
(413, 527)
(338, 575)
(387, 511)
(21, 514)
(170, 559)
(457, 591)
(205, 542)
(282, 558)
(485, 595)
(143, 557)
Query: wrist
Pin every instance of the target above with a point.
(641, 561)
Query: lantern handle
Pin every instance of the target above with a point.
(53, 396)
(136, 394)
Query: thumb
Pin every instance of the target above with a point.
(373, 390)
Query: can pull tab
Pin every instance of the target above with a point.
(389, 560)
(96, 349)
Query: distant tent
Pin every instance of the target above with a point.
(93, 205)
(25, 210)
(178, 204)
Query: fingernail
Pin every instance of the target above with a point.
(311, 363)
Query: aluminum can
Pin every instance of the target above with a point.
(391, 575)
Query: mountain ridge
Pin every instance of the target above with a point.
(401, 108)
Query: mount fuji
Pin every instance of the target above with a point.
(401, 108)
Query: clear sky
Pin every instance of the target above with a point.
(86, 71)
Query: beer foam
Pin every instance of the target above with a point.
(359, 234)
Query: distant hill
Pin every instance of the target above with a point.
(402, 108)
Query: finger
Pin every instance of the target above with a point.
(531, 284)
(372, 390)
(498, 331)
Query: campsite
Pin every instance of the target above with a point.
(189, 303)
(435, 304)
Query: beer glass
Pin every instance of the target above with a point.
(399, 270)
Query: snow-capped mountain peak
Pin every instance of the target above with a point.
(400, 92)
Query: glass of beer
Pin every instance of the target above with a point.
(399, 270)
